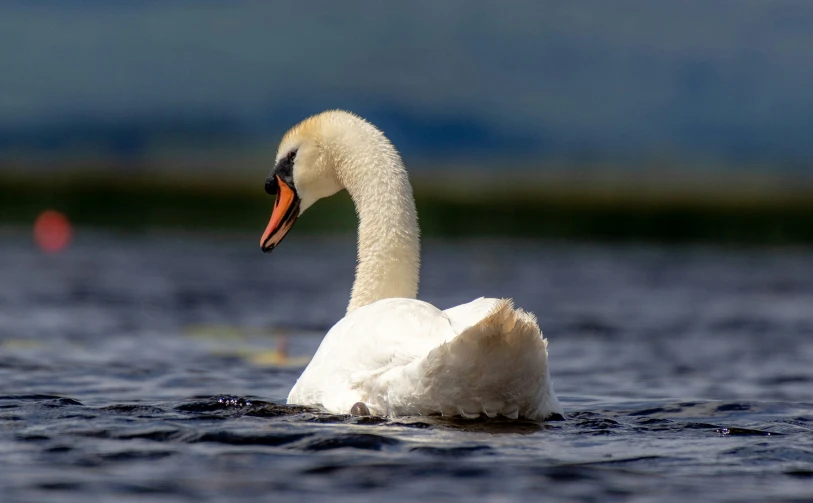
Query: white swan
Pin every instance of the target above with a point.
(391, 354)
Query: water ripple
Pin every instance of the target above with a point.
(127, 374)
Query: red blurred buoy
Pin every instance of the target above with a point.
(52, 231)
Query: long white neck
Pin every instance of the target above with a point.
(371, 170)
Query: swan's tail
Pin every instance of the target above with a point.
(498, 366)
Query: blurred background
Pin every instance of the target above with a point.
(630, 120)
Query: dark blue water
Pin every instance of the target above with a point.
(154, 369)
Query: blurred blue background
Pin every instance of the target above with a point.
(723, 81)
(588, 107)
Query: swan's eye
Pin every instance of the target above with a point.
(285, 170)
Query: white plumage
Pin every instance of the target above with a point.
(393, 353)
(406, 357)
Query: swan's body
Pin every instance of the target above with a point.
(406, 357)
(392, 353)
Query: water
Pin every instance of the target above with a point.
(150, 369)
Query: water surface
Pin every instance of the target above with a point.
(152, 369)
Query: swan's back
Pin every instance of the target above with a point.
(406, 357)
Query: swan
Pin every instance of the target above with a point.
(394, 355)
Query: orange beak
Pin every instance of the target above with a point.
(286, 211)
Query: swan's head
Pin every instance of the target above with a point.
(304, 171)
